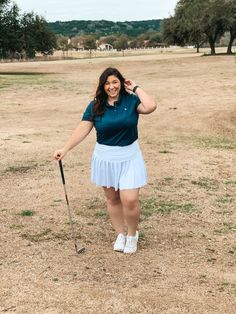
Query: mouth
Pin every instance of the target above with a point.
(113, 92)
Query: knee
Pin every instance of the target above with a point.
(130, 203)
(113, 200)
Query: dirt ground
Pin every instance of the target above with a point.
(186, 262)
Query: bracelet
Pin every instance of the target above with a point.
(135, 87)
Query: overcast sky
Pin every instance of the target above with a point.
(112, 10)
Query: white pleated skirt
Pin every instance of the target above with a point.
(120, 167)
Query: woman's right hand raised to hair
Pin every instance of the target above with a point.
(59, 154)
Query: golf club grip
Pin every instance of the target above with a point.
(62, 172)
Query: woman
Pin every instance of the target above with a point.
(117, 162)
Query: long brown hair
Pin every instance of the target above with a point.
(101, 96)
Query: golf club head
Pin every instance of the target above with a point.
(79, 251)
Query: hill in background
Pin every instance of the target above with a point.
(104, 28)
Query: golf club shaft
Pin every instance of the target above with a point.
(67, 202)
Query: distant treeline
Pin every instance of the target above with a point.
(104, 28)
(195, 22)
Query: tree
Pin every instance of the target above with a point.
(46, 39)
(37, 36)
(188, 22)
(111, 39)
(214, 21)
(121, 42)
(75, 42)
(62, 42)
(89, 43)
(171, 34)
(133, 44)
(3, 2)
(196, 21)
(154, 38)
(23, 34)
(10, 33)
(231, 24)
(184, 28)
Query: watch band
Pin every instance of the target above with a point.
(135, 87)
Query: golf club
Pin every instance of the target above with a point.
(81, 250)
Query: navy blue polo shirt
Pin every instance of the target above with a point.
(118, 126)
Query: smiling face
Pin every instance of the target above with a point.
(112, 87)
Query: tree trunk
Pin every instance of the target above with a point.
(198, 47)
(232, 37)
(212, 45)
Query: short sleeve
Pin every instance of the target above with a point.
(135, 100)
(88, 113)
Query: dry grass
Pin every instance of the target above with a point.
(186, 257)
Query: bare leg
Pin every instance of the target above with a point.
(131, 209)
(115, 210)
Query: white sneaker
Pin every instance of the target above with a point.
(131, 244)
(119, 244)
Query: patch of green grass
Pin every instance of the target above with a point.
(225, 212)
(20, 169)
(226, 228)
(149, 206)
(95, 203)
(141, 235)
(55, 279)
(27, 213)
(206, 183)
(15, 79)
(101, 214)
(23, 73)
(63, 235)
(227, 199)
(230, 182)
(214, 142)
(47, 234)
(14, 226)
(227, 287)
(152, 206)
(37, 237)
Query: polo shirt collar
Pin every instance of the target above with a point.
(116, 103)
